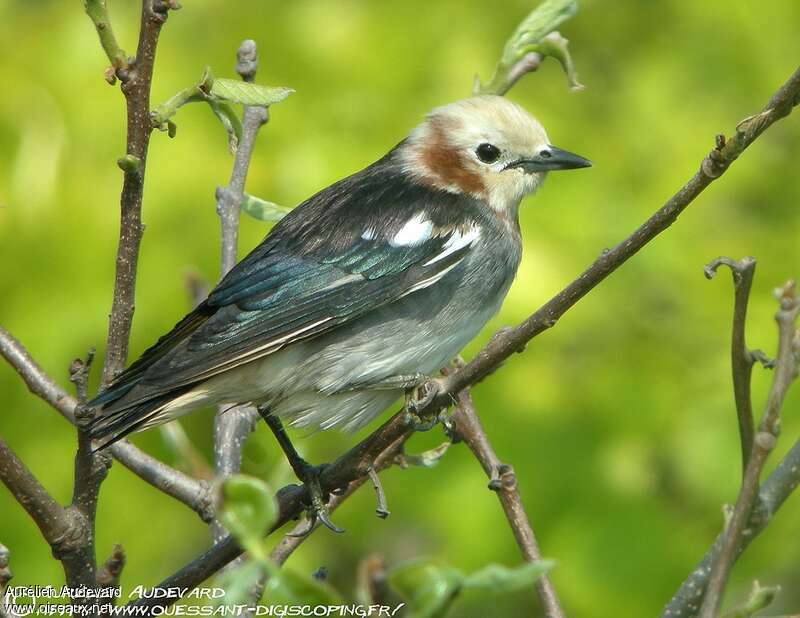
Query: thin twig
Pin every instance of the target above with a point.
(98, 13)
(193, 493)
(355, 463)
(786, 363)
(780, 484)
(232, 425)
(109, 573)
(90, 471)
(108, 576)
(5, 577)
(50, 517)
(742, 359)
(467, 426)
(136, 80)
(64, 529)
(198, 495)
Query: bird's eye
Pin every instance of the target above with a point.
(488, 153)
(545, 154)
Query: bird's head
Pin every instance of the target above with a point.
(486, 147)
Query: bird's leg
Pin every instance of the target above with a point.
(305, 472)
(417, 399)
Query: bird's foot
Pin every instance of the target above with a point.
(318, 500)
(417, 400)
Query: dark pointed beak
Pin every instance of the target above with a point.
(551, 159)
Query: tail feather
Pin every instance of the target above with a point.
(117, 418)
(114, 425)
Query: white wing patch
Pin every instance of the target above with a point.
(369, 234)
(456, 242)
(414, 232)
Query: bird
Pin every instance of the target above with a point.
(363, 291)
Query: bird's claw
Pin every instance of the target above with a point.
(417, 400)
(317, 508)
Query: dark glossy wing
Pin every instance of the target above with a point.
(359, 245)
(292, 298)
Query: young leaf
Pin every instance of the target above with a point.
(497, 578)
(247, 510)
(239, 583)
(288, 587)
(429, 587)
(229, 120)
(248, 94)
(262, 209)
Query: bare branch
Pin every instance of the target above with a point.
(5, 577)
(90, 471)
(195, 494)
(136, 80)
(785, 372)
(467, 426)
(230, 197)
(780, 484)
(49, 515)
(109, 573)
(34, 376)
(741, 358)
(233, 424)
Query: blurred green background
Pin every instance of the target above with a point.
(619, 421)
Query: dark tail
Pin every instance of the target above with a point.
(114, 422)
(118, 414)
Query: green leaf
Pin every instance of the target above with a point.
(760, 598)
(497, 578)
(229, 120)
(239, 583)
(429, 587)
(289, 587)
(535, 34)
(248, 94)
(262, 209)
(545, 18)
(247, 510)
(556, 46)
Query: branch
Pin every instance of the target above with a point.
(786, 368)
(5, 577)
(136, 82)
(37, 381)
(109, 573)
(232, 425)
(780, 484)
(90, 471)
(355, 463)
(50, 517)
(741, 358)
(382, 446)
(715, 164)
(467, 426)
(98, 13)
(195, 494)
